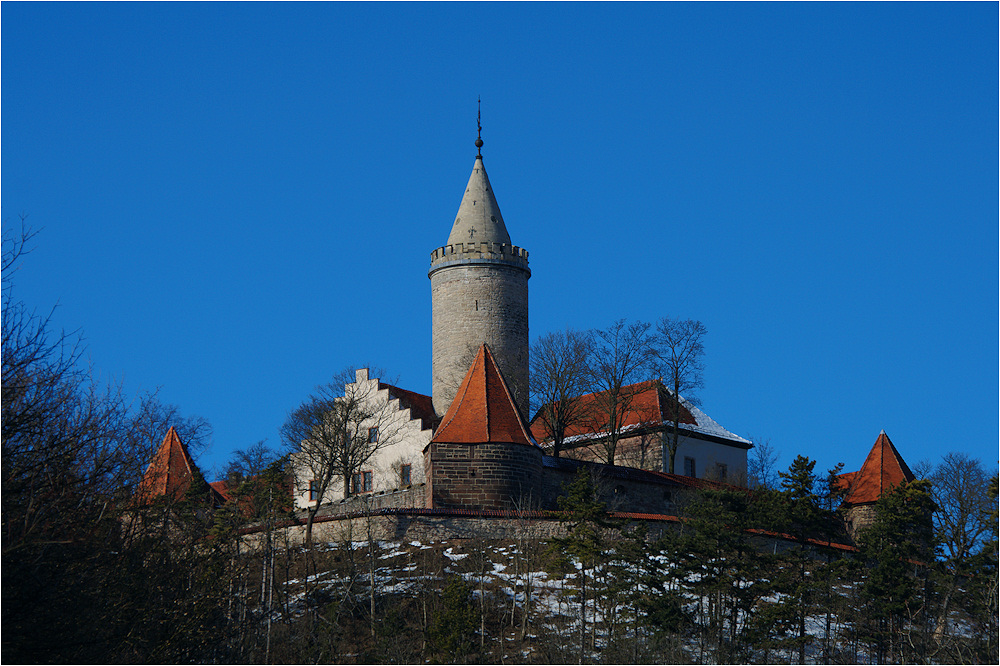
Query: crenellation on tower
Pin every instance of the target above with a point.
(494, 252)
(479, 295)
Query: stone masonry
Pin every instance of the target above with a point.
(479, 294)
(489, 475)
(478, 301)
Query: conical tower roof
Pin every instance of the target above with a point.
(483, 409)
(884, 468)
(478, 219)
(171, 471)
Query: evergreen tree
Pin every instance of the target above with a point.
(805, 521)
(729, 575)
(898, 548)
(586, 542)
(451, 635)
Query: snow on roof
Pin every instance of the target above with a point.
(648, 408)
(707, 425)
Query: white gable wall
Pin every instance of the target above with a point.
(402, 443)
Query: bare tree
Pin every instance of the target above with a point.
(69, 470)
(678, 352)
(619, 359)
(963, 505)
(252, 461)
(762, 465)
(335, 432)
(153, 418)
(558, 379)
(64, 456)
(962, 521)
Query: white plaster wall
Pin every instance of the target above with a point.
(405, 445)
(706, 455)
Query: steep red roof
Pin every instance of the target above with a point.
(171, 470)
(222, 489)
(884, 468)
(649, 405)
(483, 409)
(421, 406)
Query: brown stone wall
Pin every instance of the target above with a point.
(617, 493)
(494, 476)
(858, 517)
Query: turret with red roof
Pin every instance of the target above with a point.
(482, 455)
(882, 470)
(171, 474)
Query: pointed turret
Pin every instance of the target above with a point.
(478, 219)
(481, 456)
(479, 294)
(171, 471)
(884, 468)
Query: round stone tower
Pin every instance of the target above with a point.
(479, 294)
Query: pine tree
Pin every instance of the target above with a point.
(730, 576)
(586, 542)
(898, 548)
(805, 521)
(451, 635)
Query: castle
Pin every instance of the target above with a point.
(470, 448)
(470, 444)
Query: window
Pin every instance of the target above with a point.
(361, 483)
(313, 490)
(689, 466)
(722, 469)
(372, 435)
(404, 475)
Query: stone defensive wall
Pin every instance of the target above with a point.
(508, 477)
(402, 515)
(427, 525)
(413, 524)
(485, 252)
(491, 475)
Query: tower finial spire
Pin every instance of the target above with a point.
(479, 127)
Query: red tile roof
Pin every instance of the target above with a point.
(222, 488)
(483, 409)
(650, 404)
(421, 406)
(883, 469)
(170, 472)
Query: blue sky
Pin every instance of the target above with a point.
(239, 200)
